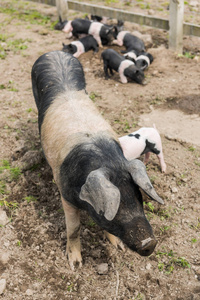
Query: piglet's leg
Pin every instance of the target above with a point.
(146, 157)
(72, 218)
(115, 241)
(162, 162)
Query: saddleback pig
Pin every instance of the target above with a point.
(87, 161)
(126, 68)
(143, 141)
(82, 45)
(96, 29)
(129, 41)
(142, 61)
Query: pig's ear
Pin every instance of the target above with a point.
(138, 172)
(101, 194)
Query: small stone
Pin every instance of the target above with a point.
(4, 258)
(102, 269)
(29, 292)
(174, 189)
(2, 286)
(148, 266)
(3, 217)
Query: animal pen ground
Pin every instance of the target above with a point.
(32, 246)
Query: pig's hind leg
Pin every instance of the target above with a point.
(105, 67)
(72, 218)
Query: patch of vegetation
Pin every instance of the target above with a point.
(9, 86)
(30, 199)
(94, 96)
(187, 55)
(169, 261)
(13, 173)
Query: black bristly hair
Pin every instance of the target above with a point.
(55, 73)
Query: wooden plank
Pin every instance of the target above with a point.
(188, 29)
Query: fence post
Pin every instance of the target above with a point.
(176, 25)
(62, 9)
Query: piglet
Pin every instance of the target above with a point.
(82, 45)
(143, 141)
(96, 29)
(129, 41)
(142, 61)
(126, 68)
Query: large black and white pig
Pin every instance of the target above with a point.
(81, 46)
(143, 141)
(83, 26)
(129, 41)
(87, 161)
(125, 67)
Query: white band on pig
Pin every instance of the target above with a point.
(124, 64)
(80, 48)
(95, 28)
(120, 37)
(131, 54)
(145, 58)
(68, 27)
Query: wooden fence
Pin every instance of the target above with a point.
(175, 24)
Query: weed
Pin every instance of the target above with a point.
(30, 199)
(93, 96)
(187, 55)
(191, 148)
(14, 173)
(11, 205)
(150, 206)
(165, 228)
(91, 223)
(170, 261)
(193, 241)
(19, 243)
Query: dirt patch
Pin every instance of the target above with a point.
(32, 246)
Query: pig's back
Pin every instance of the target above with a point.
(55, 73)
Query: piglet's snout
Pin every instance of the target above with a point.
(147, 247)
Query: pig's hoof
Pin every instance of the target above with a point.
(115, 241)
(75, 260)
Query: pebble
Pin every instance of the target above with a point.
(4, 258)
(29, 292)
(3, 217)
(148, 266)
(174, 189)
(102, 269)
(2, 286)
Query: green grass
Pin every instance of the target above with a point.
(169, 261)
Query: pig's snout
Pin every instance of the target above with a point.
(147, 247)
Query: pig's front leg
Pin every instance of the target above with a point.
(98, 39)
(146, 157)
(117, 42)
(72, 218)
(115, 241)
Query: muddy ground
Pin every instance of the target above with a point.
(33, 264)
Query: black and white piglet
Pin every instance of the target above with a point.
(129, 41)
(142, 61)
(126, 68)
(87, 160)
(96, 29)
(82, 45)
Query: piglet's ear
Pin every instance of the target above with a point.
(138, 172)
(101, 194)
